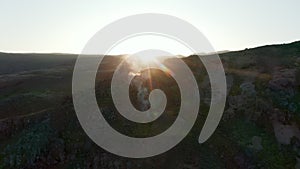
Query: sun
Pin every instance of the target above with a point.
(142, 60)
(147, 59)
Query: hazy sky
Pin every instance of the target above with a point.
(66, 25)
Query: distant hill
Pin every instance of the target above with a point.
(14, 63)
(265, 58)
(289, 49)
(270, 54)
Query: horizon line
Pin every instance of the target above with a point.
(200, 53)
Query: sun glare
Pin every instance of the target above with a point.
(146, 59)
(141, 62)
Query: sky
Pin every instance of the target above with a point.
(65, 26)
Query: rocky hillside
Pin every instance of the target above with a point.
(259, 128)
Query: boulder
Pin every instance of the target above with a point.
(256, 143)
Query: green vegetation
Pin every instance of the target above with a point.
(272, 155)
(264, 89)
(30, 144)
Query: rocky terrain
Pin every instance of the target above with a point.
(259, 128)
